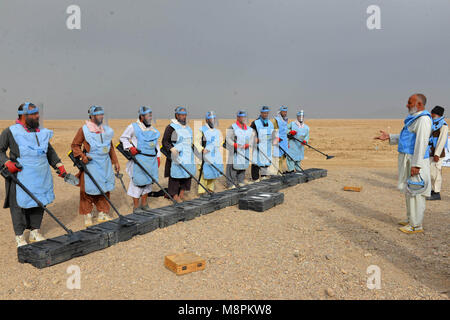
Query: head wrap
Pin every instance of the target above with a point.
(438, 110)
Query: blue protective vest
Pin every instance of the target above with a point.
(407, 140)
(296, 149)
(214, 156)
(264, 144)
(147, 142)
(242, 137)
(100, 166)
(437, 124)
(282, 134)
(35, 175)
(185, 153)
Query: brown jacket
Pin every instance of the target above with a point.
(78, 142)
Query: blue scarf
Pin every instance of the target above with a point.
(264, 121)
(438, 123)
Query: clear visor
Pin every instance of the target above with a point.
(182, 118)
(242, 119)
(264, 115)
(211, 119)
(97, 116)
(148, 119)
(33, 115)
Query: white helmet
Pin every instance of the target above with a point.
(416, 186)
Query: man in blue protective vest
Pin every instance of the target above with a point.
(299, 130)
(438, 144)
(208, 141)
(413, 163)
(280, 122)
(265, 138)
(141, 139)
(93, 144)
(238, 138)
(178, 141)
(30, 146)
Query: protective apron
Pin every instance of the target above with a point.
(100, 166)
(147, 144)
(35, 175)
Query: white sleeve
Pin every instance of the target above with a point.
(422, 128)
(126, 136)
(443, 137)
(393, 139)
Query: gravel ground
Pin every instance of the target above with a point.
(316, 245)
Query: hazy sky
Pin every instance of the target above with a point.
(224, 55)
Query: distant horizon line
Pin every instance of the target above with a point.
(159, 119)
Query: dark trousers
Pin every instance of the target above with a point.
(255, 172)
(258, 171)
(237, 176)
(176, 185)
(24, 218)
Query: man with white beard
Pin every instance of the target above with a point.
(413, 163)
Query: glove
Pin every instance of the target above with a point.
(134, 151)
(304, 142)
(159, 162)
(62, 171)
(246, 146)
(12, 167)
(292, 132)
(86, 159)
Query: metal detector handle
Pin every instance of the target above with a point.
(125, 153)
(6, 174)
(130, 157)
(76, 161)
(164, 152)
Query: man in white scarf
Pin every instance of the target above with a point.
(130, 140)
(413, 163)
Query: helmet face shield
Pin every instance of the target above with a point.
(97, 115)
(146, 116)
(181, 115)
(301, 116)
(416, 185)
(211, 119)
(242, 117)
(29, 108)
(31, 115)
(265, 115)
(96, 110)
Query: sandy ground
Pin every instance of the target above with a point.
(317, 245)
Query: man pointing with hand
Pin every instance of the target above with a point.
(413, 163)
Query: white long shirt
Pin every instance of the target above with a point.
(422, 128)
(128, 137)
